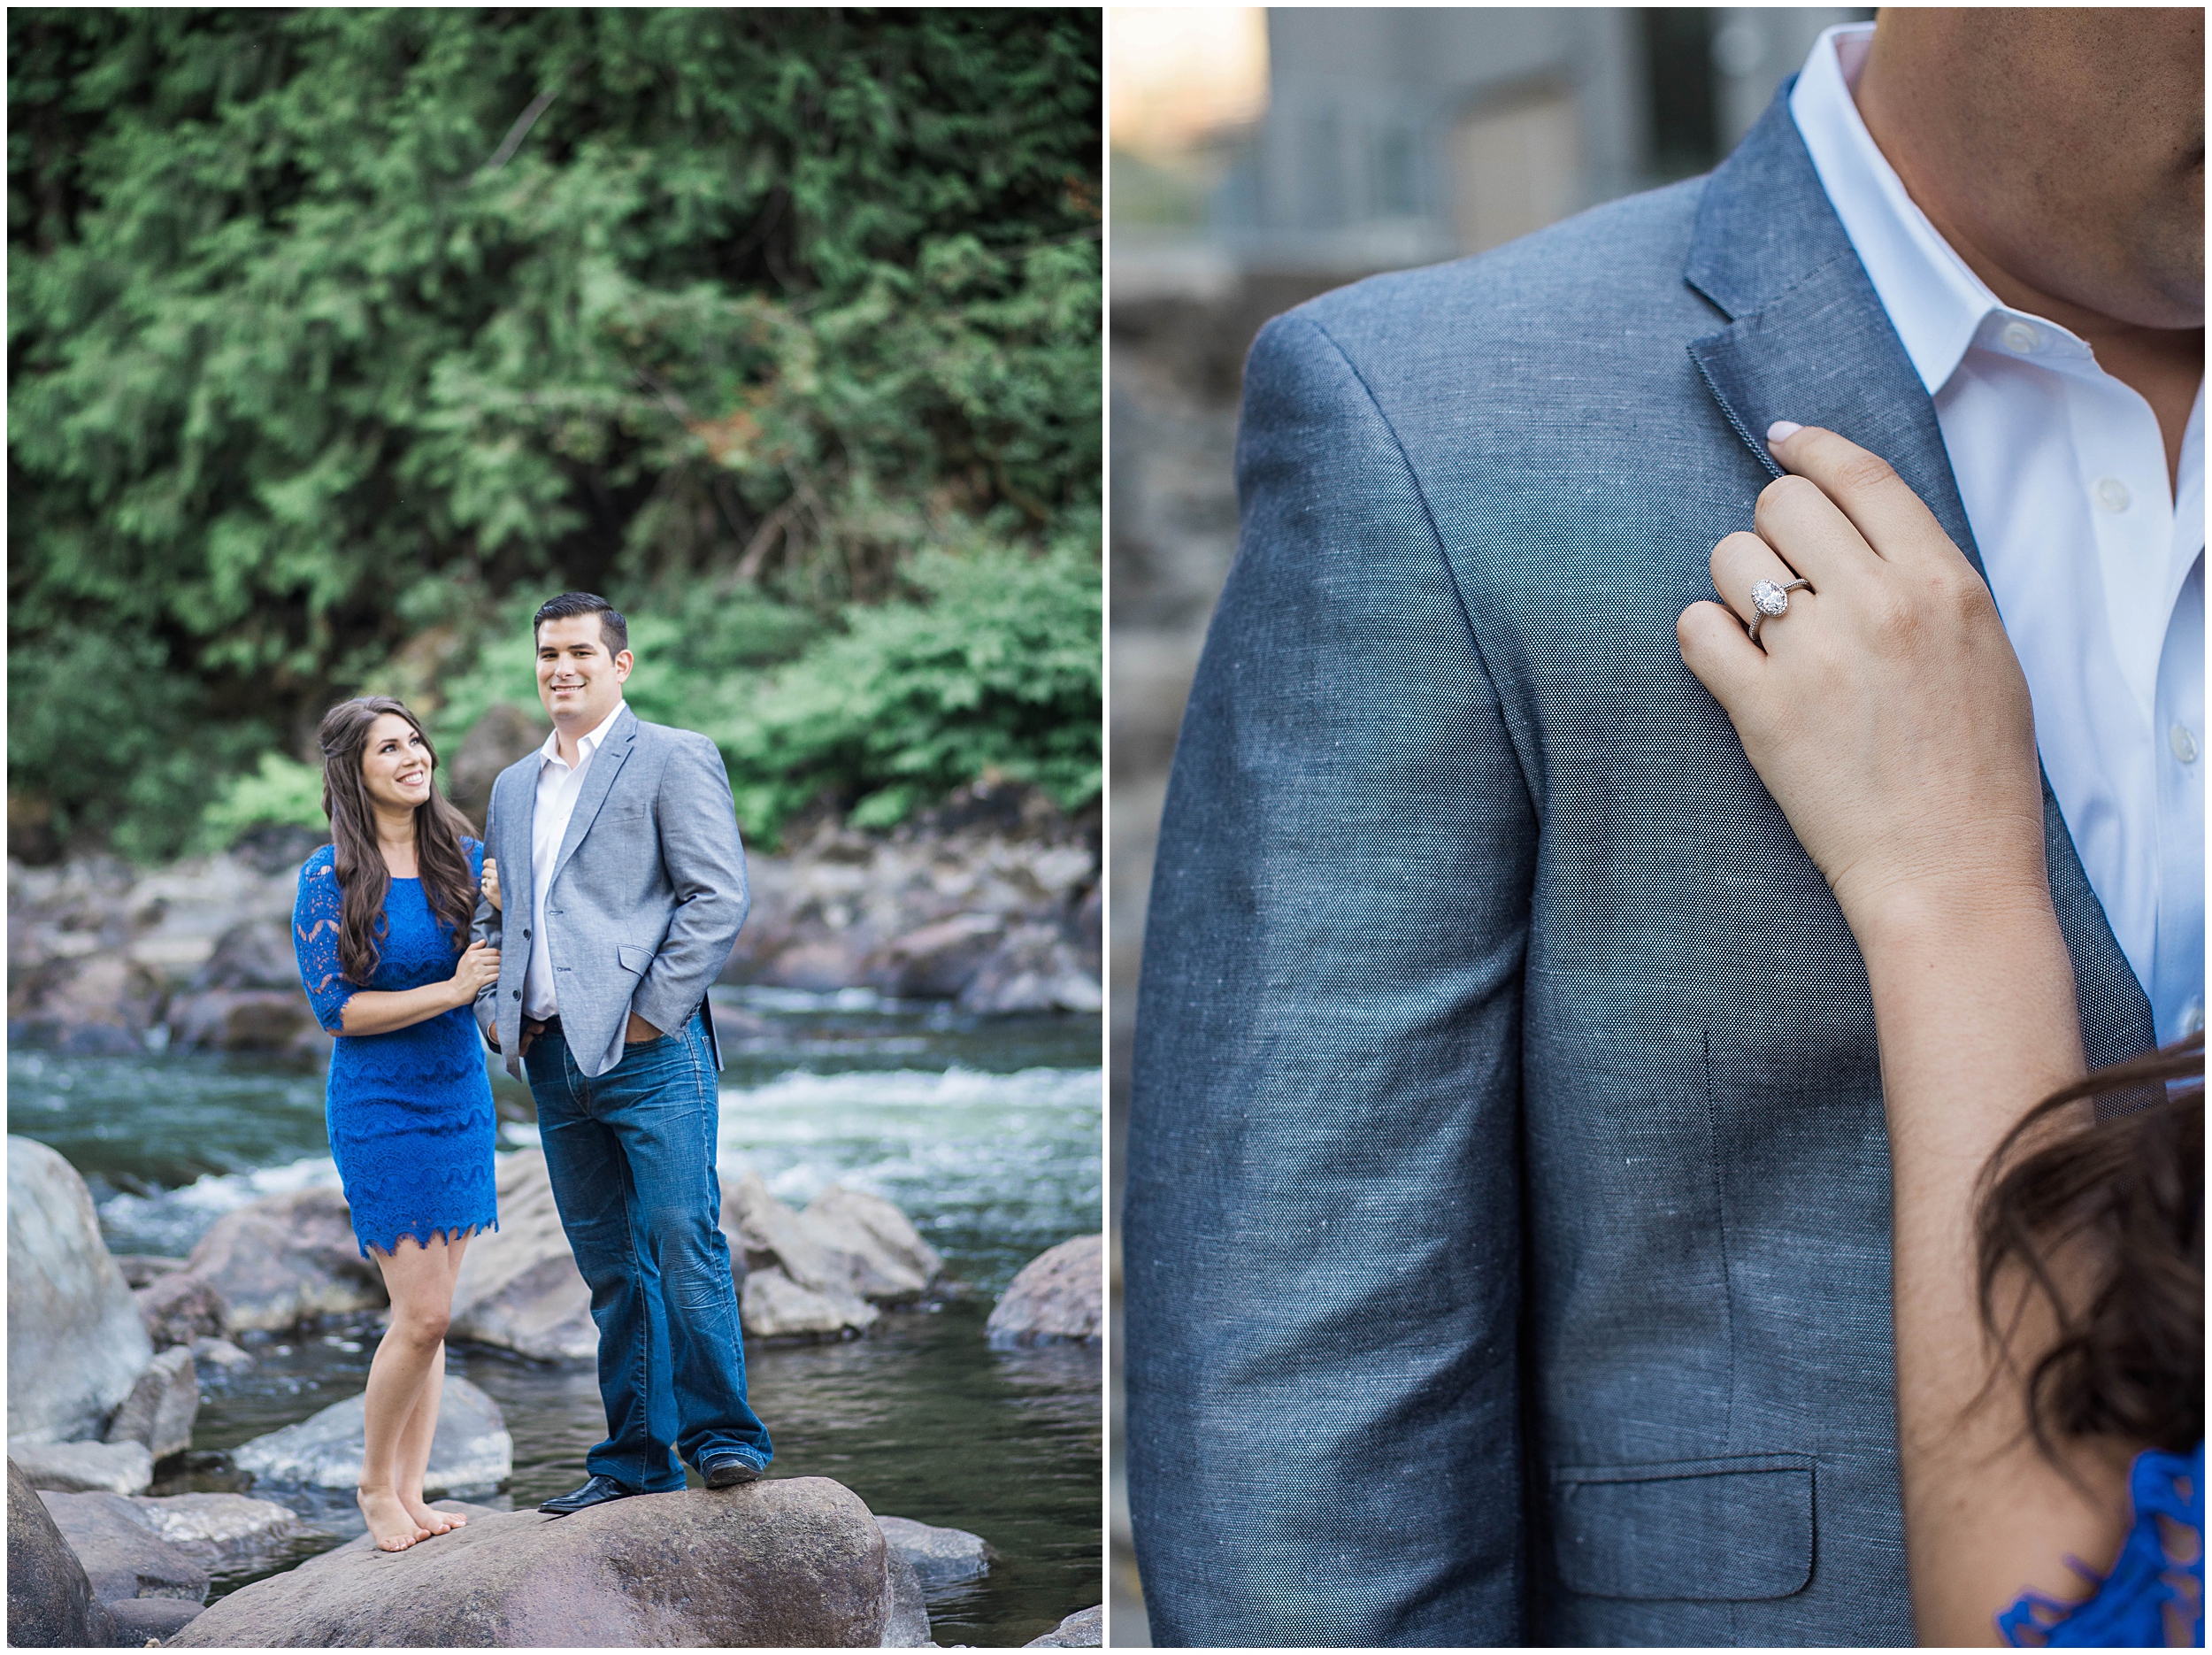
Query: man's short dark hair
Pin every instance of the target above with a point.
(614, 631)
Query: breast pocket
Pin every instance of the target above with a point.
(633, 958)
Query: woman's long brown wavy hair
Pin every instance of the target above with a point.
(2128, 1192)
(441, 862)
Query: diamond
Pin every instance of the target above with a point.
(1769, 598)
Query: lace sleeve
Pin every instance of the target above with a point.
(315, 919)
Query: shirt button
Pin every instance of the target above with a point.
(2113, 495)
(2185, 745)
(2020, 339)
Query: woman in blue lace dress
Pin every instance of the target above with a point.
(2048, 1260)
(380, 926)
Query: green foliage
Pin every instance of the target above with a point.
(317, 342)
(996, 670)
(278, 791)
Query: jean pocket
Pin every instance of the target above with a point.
(1734, 1531)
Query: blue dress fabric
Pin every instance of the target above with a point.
(2160, 1563)
(409, 1113)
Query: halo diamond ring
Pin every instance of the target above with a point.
(1769, 600)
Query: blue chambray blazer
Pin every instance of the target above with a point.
(1507, 1230)
(648, 894)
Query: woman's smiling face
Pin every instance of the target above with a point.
(395, 764)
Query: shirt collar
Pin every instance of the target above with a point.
(1938, 305)
(587, 744)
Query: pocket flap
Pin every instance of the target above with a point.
(633, 958)
(1730, 1530)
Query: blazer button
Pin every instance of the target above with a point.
(525, 933)
(517, 994)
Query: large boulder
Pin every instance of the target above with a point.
(257, 953)
(940, 1557)
(103, 1002)
(123, 1556)
(286, 1258)
(519, 1288)
(84, 1467)
(500, 735)
(935, 961)
(179, 1307)
(51, 1603)
(1038, 967)
(160, 1411)
(471, 1448)
(1058, 1295)
(75, 1343)
(788, 1563)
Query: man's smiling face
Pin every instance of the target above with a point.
(577, 680)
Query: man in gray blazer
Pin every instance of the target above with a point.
(622, 883)
(1507, 1236)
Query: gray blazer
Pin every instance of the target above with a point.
(1507, 1235)
(647, 896)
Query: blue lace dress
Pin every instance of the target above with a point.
(409, 1113)
(2154, 1599)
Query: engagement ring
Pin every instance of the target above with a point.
(1768, 599)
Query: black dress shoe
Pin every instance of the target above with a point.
(727, 1471)
(598, 1489)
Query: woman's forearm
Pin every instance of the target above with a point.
(1975, 1012)
(379, 1012)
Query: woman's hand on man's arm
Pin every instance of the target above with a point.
(379, 1012)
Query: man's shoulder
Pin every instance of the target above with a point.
(670, 738)
(1617, 264)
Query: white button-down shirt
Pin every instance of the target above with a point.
(2096, 563)
(559, 784)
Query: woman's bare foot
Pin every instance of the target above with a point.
(393, 1528)
(430, 1517)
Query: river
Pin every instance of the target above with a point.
(987, 1133)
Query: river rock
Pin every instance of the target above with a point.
(1082, 1630)
(225, 1533)
(161, 1407)
(1038, 967)
(75, 1343)
(123, 1556)
(776, 1307)
(908, 1626)
(471, 1448)
(519, 1288)
(180, 1307)
(940, 1557)
(51, 1603)
(935, 962)
(143, 1269)
(886, 1261)
(98, 1003)
(768, 1232)
(501, 735)
(789, 1562)
(242, 1019)
(287, 1258)
(220, 1353)
(256, 953)
(84, 1467)
(1058, 1295)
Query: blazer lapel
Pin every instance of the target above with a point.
(1808, 340)
(598, 780)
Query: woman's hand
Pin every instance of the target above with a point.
(478, 970)
(1885, 710)
(491, 881)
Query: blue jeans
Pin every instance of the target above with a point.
(632, 1157)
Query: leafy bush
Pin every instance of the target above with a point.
(278, 791)
(330, 328)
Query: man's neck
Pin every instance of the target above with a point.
(2163, 366)
(569, 733)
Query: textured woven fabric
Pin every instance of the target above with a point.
(1506, 1243)
(409, 1112)
(2158, 1576)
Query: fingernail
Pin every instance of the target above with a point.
(1782, 431)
